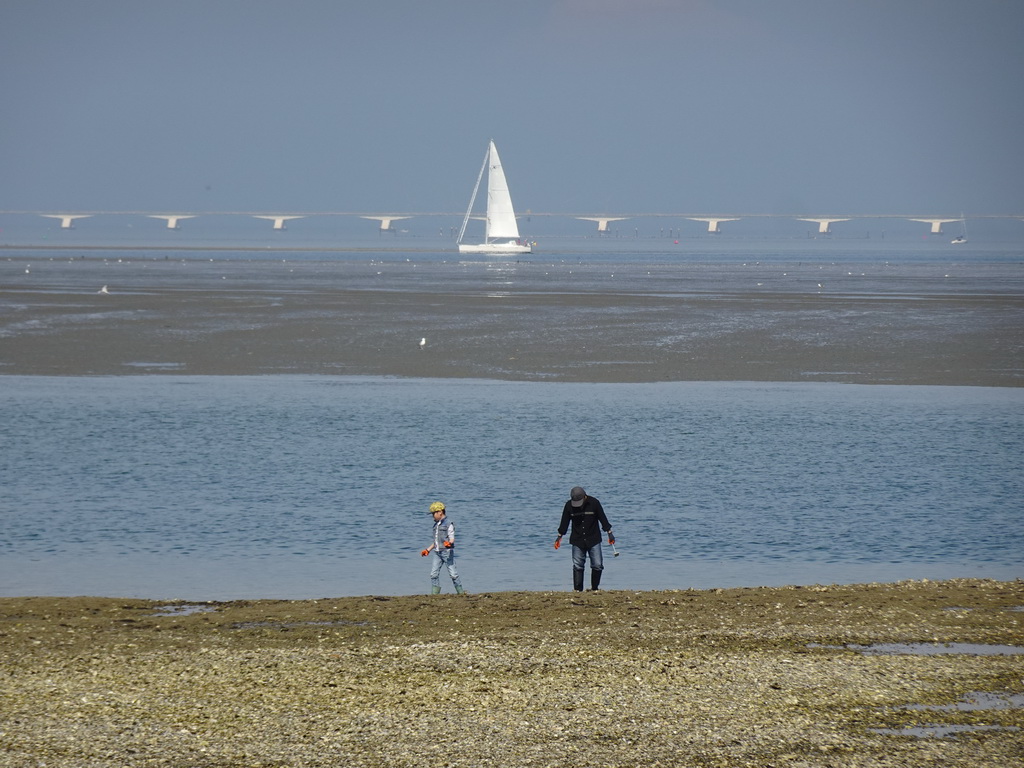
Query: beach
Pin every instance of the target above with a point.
(752, 676)
(739, 677)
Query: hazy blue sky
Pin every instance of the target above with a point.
(597, 106)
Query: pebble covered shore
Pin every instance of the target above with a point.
(740, 677)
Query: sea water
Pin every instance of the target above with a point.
(301, 486)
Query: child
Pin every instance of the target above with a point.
(444, 549)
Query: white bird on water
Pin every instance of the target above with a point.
(423, 342)
(103, 290)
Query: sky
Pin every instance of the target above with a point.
(596, 106)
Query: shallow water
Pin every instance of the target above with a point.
(930, 649)
(975, 701)
(939, 731)
(302, 486)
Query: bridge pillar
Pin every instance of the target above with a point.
(278, 220)
(172, 219)
(66, 219)
(602, 221)
(936, 224)
(824, 225)
(714, 225)
(385, 221)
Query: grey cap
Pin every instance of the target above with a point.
(576, 496)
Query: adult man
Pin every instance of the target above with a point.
(443, 548)
(588, 519)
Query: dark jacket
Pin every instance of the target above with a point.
(587, 522)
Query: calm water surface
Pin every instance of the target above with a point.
(301, 487)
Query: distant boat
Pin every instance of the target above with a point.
(962, 237)
(501, 232)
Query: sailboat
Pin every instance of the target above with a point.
(962, 237)
(501, 232)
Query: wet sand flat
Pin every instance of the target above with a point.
(571, 322)
(739, 677)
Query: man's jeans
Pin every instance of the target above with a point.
(579, 556)
(443, 557)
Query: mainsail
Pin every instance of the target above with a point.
(501, 218)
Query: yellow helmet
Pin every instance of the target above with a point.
(437, 506)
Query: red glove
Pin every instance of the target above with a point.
(448, 545)
(425, 552)
(558, 542)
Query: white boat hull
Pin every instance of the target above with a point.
(496, 249)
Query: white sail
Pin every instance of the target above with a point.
(501, 232)
(501, 217)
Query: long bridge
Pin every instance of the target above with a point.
(714, 222)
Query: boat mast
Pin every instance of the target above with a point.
(472, 198)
